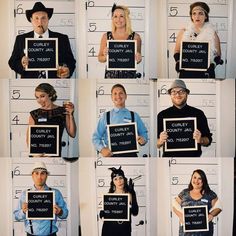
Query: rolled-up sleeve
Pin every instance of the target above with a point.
(142, 130)
(62, 204)
(99, 137)
(18, 212)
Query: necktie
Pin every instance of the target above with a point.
(42, 73)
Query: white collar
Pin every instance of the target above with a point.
(45, 34)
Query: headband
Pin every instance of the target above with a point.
(200, 9)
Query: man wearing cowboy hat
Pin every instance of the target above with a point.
(41, 227)
(39, 17)
(179, 94)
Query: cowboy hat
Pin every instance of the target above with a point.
(38, 6)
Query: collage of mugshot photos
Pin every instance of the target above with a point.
(117, 118)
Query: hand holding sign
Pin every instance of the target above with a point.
(25, 61)
(197, 135)
(106, 152)
(141, 140)
(210, 217)
(138, 57)
(163, 137)
(24, 207)
(57, 210)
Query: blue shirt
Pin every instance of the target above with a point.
(41, 227)
(117, 116)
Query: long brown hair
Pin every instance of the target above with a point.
(205, 185)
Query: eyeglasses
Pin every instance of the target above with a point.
(180, 92)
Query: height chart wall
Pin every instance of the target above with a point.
(23, 101)
(138, 100)
(62, 21)
(99, 22)
(180, 174)
(178, 18)
(22, 180)
(135, 169)
(202, 96)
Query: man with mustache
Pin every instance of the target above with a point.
(39, 17)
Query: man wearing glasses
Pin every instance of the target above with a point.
(179, 94)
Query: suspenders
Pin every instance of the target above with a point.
(31, 225)
(133, 154)
(109, 121)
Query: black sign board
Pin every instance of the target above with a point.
(40, 205)
(122, 138)
(121, 55)
(180, 134)
(42, 53)
(44, 139)
(195, 56)
(116, 207)
(195, 218)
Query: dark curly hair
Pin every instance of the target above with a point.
(48, 89)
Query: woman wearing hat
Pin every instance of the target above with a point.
(199, 30)
(39, 17)
(121, 30)
(52, 114)
(119, 185)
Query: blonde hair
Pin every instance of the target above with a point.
(128, 28)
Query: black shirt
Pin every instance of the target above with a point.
(54, 116)
(186, 111)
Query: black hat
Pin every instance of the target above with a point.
(38, 6)
(116, 172)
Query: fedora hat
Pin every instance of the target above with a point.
(39, 166)
(178, 84)
(38, 6)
